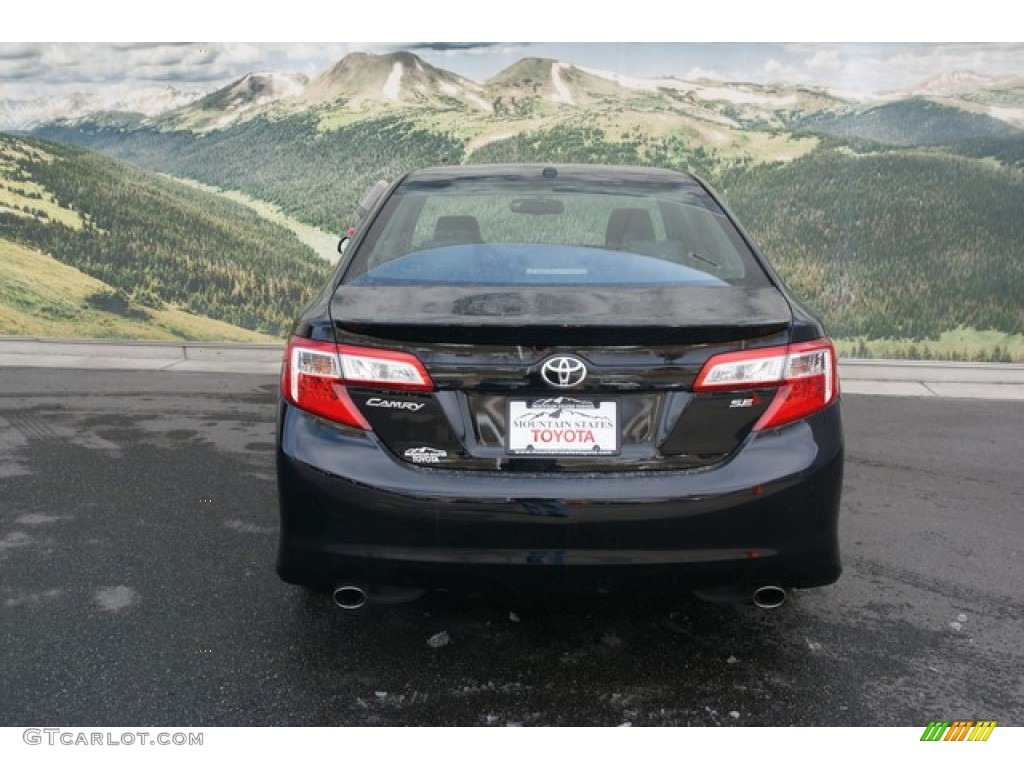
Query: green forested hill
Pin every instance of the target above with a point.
(1007, 151)
(317, 177)
(892, 244)
(912, 122)
(896, 244)
(155, 241)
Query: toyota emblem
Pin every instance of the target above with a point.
(563, 372)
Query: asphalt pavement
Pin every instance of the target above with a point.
(137, 536)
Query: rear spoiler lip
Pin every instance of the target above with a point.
(554, 316)
(555, 335)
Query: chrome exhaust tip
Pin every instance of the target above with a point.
(769, 596)
(350, 597)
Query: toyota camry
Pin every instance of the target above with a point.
(556, 381)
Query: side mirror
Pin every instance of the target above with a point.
(344, 241)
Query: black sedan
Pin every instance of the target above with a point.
(557, 381)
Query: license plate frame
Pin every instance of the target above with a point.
(562, 425)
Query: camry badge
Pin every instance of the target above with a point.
(563, 371)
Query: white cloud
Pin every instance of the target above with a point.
(824, 58)
(699, 73)
(18, 50)
(879, 67)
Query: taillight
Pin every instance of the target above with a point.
(805, 374)
(315, 373)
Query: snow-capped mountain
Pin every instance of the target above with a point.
(532, 87)
(362, 80)
(154, 100)
(1001, 98)
(549, 84)
(252, 94)
(26, 114)
(554, 82)
(958, 83)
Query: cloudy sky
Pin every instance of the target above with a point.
(33, 69)
(28, 70)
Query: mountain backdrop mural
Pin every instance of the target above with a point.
(899, 216)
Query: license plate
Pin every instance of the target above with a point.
(563, 426)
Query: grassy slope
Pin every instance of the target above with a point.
(159, 244)
(23, 196)
(39, 296)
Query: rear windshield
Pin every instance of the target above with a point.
(500, 231)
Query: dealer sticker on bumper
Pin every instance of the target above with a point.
(563, 426)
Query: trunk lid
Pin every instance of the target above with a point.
(487, 351)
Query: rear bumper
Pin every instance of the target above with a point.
(350, 512)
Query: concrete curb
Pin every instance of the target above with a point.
(890, 378)
(926, 378)
(209, 357)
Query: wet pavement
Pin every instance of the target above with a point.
(137, 538)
